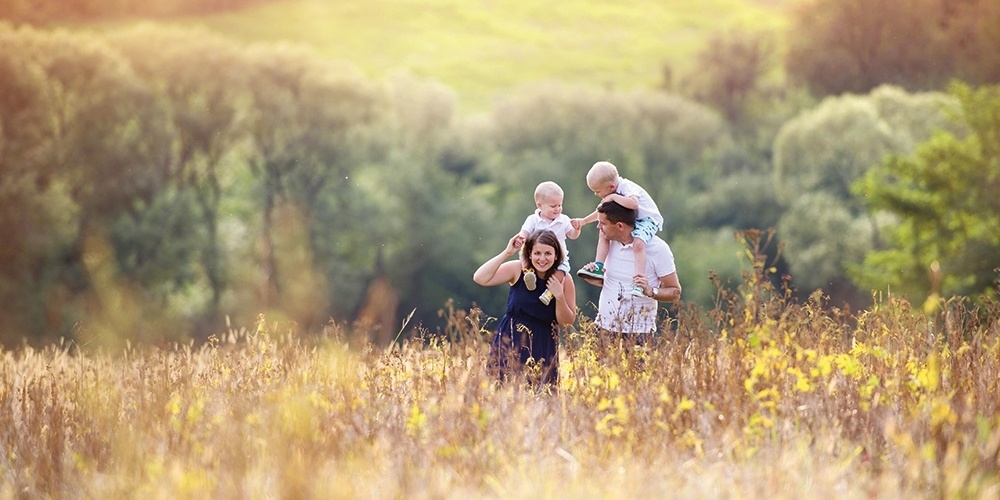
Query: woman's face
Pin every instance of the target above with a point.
(542, 257)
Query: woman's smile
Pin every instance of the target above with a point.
(542, 257)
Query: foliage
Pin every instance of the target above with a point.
(943, 196)
(821, 153)
(706, 260)
(821, 234)
(730, 71)
(48, 11)
(158, 179)
(767, 399)
(838, 46)
(89, 146)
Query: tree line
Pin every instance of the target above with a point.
(151, 193)
(43, 12)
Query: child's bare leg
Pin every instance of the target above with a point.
(603, 247)
(639, 250)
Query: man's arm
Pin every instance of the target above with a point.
(667, 289)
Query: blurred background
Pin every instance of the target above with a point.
(170, 169)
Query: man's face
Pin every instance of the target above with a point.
(613, 231)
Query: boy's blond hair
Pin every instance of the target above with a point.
(603, 172)
(547, 190)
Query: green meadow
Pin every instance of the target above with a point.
(483, 49)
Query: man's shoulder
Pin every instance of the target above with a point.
(658, 245)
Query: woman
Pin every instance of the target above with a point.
(528, 328)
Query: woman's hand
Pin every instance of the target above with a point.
(556, 287)
(495, 271)
(515, 244)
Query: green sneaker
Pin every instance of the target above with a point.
(597, 272)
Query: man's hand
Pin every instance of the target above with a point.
(643, 283)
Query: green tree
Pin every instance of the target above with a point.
(86, 137)
(825, 150)
(945, 236)
(822, 236)
(201, 81)
(729, 72)
(310, 130)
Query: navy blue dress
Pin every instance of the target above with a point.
(527, 329)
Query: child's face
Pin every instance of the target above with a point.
(602, 190)
(550, 207)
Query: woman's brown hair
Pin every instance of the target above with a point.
(544, 237)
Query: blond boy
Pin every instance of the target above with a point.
(548, 215)
(604, 181)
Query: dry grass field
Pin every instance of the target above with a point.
(761, 397)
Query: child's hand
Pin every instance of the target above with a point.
(576, 223)
(518, 241)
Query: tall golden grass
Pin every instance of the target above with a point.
(762, 397)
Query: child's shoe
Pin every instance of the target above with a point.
(637, 291)
(529, 279)
(546, 297)
(597, 272)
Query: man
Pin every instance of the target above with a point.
(619, 310)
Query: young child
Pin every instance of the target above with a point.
(604, 181)
(548, 215)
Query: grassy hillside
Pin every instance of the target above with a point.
(482, 49)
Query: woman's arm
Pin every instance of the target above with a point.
(496, 271)
(564, 293)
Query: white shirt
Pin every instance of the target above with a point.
(647, 206)
(561, 226)
(620, 311)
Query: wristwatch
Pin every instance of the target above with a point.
(653, 292)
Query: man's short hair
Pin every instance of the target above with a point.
(617, 213)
